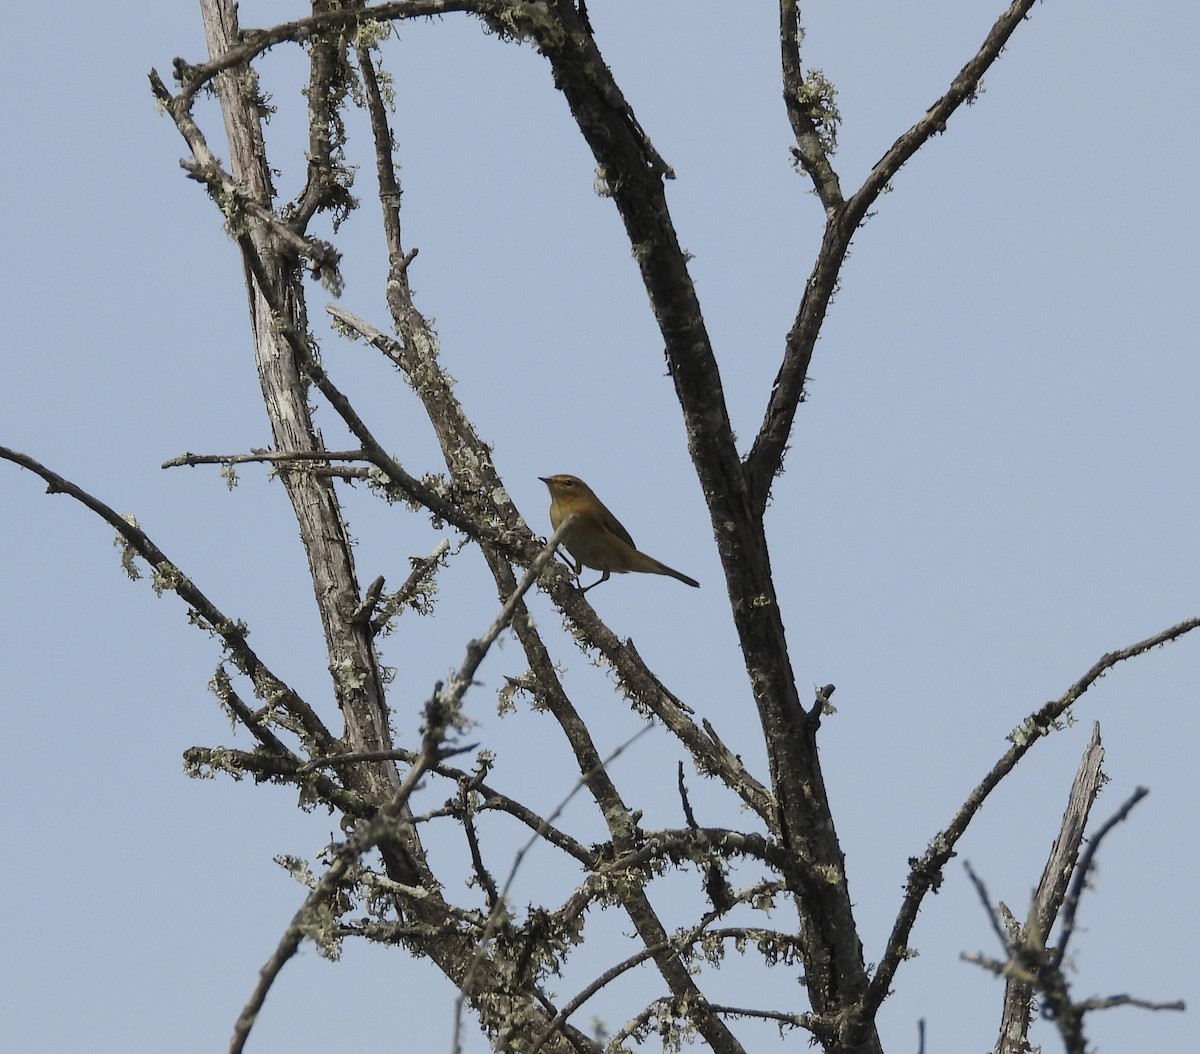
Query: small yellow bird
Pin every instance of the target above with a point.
(597, 539)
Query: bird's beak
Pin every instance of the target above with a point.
(544, 480)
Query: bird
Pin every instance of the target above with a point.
(596, 539)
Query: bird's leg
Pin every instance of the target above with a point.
(603, 578)
(573, 565)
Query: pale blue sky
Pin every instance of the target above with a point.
(992, 484)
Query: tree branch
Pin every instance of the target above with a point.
(808, 111)
(765, 459)
(206, 614)
(926, 872)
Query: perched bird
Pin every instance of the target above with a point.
(597, 539)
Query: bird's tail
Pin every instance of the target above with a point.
(654, 567)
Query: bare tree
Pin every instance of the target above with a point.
(380, 884)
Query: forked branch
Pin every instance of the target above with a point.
(765, 459)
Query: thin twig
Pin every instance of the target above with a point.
(189, 459)
(415, 590)
(779, 1016)
(466, 816)
(1083, 869)
(982, 893)
(1107, 1002)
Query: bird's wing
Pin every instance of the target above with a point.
(611, 523)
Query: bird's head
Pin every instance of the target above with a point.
(569, 494)
(566, 487)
